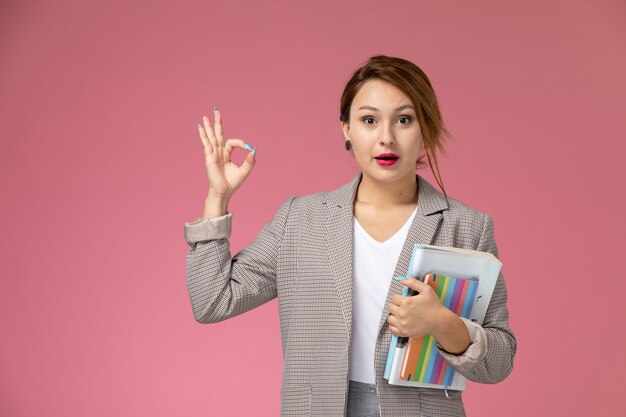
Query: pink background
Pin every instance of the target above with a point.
(101, 165)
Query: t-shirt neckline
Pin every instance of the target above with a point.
(392, 238)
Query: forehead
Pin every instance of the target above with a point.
(379, 94)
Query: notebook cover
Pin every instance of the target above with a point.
(422, 362)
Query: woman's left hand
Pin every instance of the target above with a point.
(417, 315)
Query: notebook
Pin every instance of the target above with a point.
(461, 267)
(422, 362)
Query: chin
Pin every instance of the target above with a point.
(382, 175)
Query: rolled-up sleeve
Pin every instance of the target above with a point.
(203, 229)
(474, 353)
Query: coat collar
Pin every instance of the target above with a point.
(429, 200)
(340, 235)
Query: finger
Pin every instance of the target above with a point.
(397, 299)
(395, 331)
(204, 138)
(219, 131)
(230, 146)
(248, 163)
(394, 311)
(415, 284)
(250, 160)
(209, 131)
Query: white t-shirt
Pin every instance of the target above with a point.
(373, 266)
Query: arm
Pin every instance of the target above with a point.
(489, 357)
(221, 287)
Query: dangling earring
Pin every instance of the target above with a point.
(348, 145)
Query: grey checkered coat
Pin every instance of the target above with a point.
(303, 256)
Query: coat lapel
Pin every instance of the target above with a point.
(340, 236)
(422, 231)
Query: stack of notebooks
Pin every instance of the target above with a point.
(464, 281)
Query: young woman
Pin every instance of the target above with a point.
(330, 257)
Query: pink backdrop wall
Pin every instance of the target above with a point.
(100, 166)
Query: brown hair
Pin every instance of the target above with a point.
(413, 82)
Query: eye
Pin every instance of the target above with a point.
(405, 120)
(367, 119)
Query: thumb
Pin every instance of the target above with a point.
(248, 163)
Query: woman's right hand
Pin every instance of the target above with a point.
(224, 176)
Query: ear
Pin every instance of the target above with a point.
(420, 157)
(345, 127)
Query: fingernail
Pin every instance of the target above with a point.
(254, 152)
(198, 125)
(248, 147)
(214, 110)
(399, 278)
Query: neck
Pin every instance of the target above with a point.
(385, 194)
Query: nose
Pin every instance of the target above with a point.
(387, 136)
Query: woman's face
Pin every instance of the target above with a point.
(383, 121)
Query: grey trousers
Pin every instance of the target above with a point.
(362, 401)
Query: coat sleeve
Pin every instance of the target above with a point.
(497, 363)
(221, 286)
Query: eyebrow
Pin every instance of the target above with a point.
(406, 106)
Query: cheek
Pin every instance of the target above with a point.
(361, 140)
(359, 133)
(367, 137)
(418, 144)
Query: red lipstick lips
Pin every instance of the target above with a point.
(386, 159)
